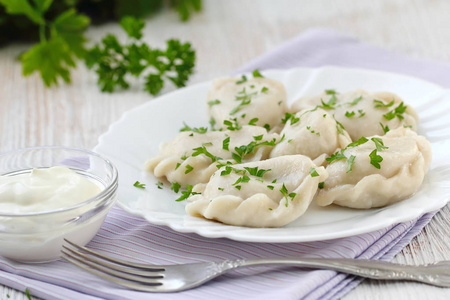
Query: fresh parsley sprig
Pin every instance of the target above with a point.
(115, 62)
(61, 40)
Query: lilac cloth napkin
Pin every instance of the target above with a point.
(130, 237)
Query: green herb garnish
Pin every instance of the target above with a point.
(375, 159)
(379, 144)
(313, 172)
(350, 162)
(188, 192)
(139, 185)
(214, 102)
(256, 74)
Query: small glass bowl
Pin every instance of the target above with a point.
(38, 236)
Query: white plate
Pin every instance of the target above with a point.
(136, 136)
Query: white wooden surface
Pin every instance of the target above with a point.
(228, 34)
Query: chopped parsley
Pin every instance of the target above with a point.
(385, 128)
(270, 187)
(350, 162)
(175, 186)
(220, 189)
(355, 101)
(375, 159)
(382, 104)
(267, 127)
(185, 194)
(358, 142)
(264, 89)
(361, 113)
(139, 185)
(330, 104)
(214, 102)
(330, 92)
(349, 114)
(232, 124)
(243, 79)
(203, 150)
(339, 127)
(245, 98)
(189, 169)
(287, 195)
(256, 74)
(253, 121)
(226, 143)
(321, 185)
(256, 171)
(291, 117)
(160, 185)
(379, 144)
(336, 156)
(200, 130)
(313, 172)
(397, 112)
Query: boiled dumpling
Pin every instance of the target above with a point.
(191, 157)
(363, 177)
(311, 132)
(257, 101)
(269, 193)
(362, 113)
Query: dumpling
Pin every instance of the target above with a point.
(259, 101)
(311, 132)
(269, 193)
(362, 176)
(362, 113)
(191, 157)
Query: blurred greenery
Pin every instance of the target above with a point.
(21, 28)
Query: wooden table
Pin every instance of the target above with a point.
(227, 34)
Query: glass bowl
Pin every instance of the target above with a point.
(38, 236)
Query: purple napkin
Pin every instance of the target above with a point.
(130, 237)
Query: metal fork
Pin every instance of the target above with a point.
(175, 278)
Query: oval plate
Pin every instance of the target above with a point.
(135, 137)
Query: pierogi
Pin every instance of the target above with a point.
(256, 101)
(190, 158)
(279, 194)
(311, 132)
(362, 113)
(364, 176)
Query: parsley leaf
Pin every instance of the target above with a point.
(336, 156)
(330, 104)
(188, 192)
(349, 114)
(139, 185)
(213, 102)
(330, 92)
(243, 79)
(226, 143)
(290, 117)
(256, 74)
(375, 159)
(350, 162)
(397, 112)
(232, 124)
(358, 142)
(132, 26)
(355, 101)
(379, 144)
(175, 186)
(385, 128)
(159, 185)
(203, 150)
(257, 172)
(313, 172)
(382, 104)
(321, 185)
(200, 130)
(189, 168)
(253, 121)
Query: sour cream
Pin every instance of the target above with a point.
(44, 189)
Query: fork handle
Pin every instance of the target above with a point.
(364, 268)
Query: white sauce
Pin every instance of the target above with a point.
(40, 238)
(44, 190)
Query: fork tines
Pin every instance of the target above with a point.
(129, 274)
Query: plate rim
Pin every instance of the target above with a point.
(207, 232)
